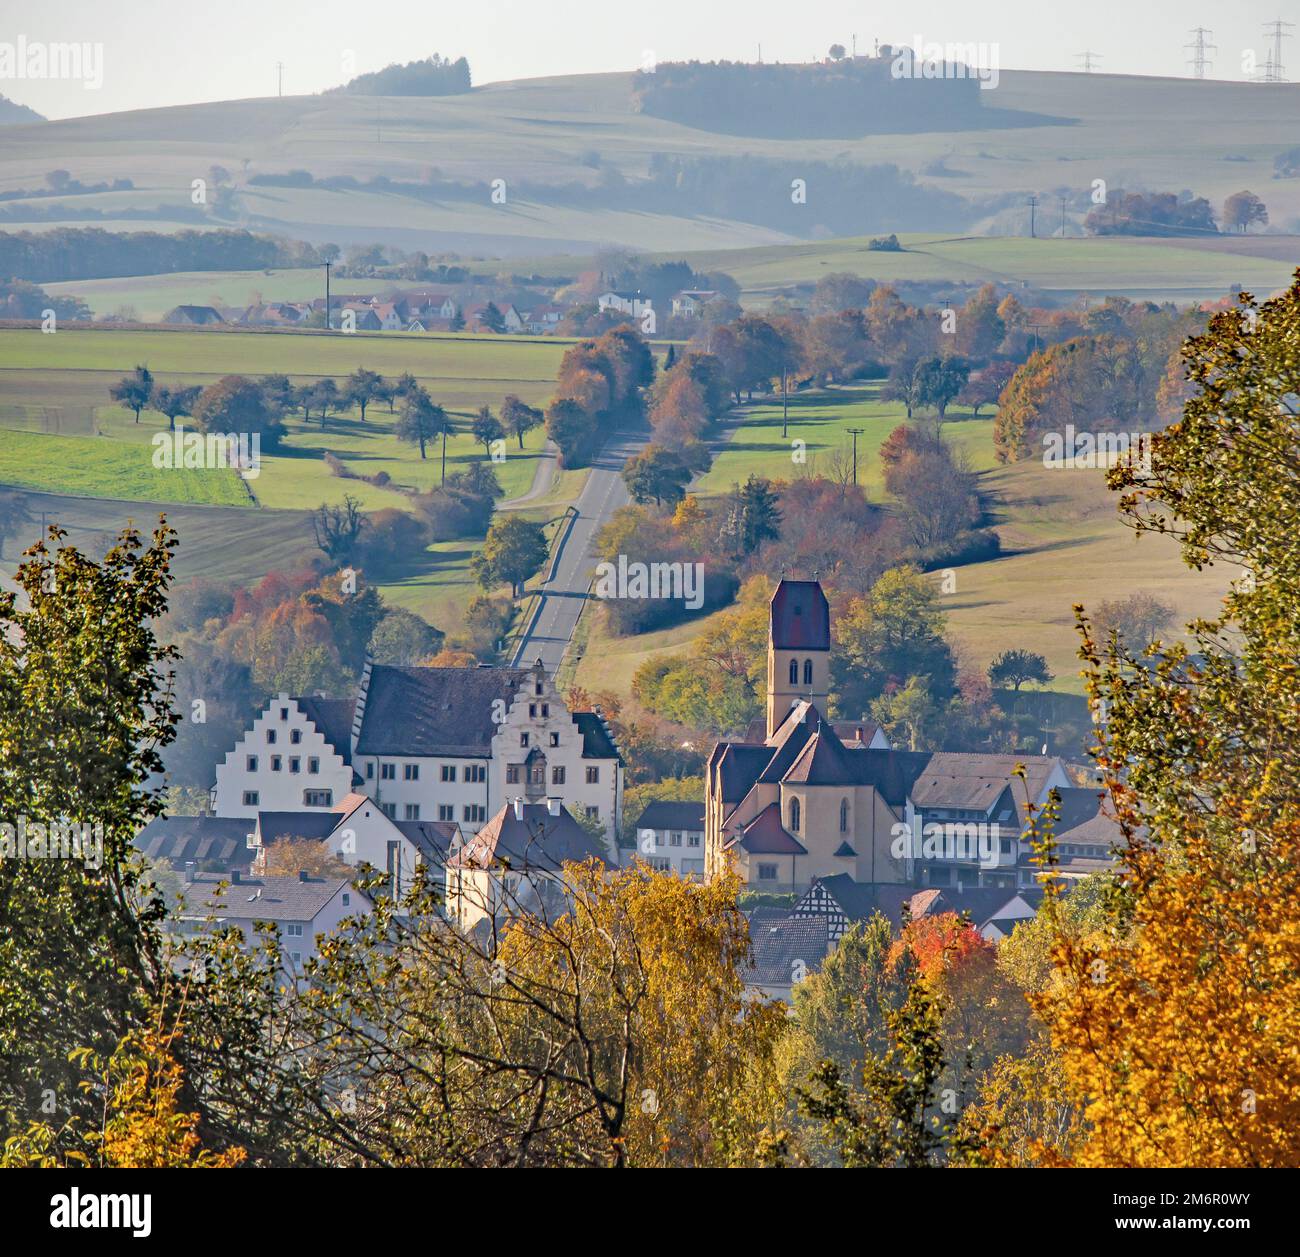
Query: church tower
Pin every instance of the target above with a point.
(798, 649)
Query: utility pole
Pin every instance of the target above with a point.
(1063, 218)
(1087, 59)
(328, 264)
(1033, 205)
(1199, 61)
(279, 78)
(785, 404)
(855, 433)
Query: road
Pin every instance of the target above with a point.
(563, 597)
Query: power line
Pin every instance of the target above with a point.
(1274, 71)
(1199, 61)
(1087, 58)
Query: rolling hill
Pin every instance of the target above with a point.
(582, 153)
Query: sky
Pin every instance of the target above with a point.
(160, 52)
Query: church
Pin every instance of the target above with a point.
(804, 798)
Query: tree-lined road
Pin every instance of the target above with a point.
(563, 596)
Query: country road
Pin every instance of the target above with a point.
(563, 597)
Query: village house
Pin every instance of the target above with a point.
(690, 303)
(803, 804)
(425, 306)
(513, 865)
(426, 744)
(193, 316)
(630, 303)
(301, 907)
(669, 837)
(545, 318)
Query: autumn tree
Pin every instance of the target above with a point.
(519, 418)
(658, 475)
(173, 402)
(1242, 210)
(1179, 1025)
(514, 550)
(1015, 667)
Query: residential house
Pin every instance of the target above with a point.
(784, 950)
(210, 844)
(193, 316)
(670, 837)
(425, 305)
(302, 907)
(544, 318)
(633, 304)
(514, 864)
(390, 319)
(690, 303)
(355, 317)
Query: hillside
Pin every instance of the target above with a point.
(576, 144)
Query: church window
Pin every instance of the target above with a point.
(794, 672)
(844, 816)
(794, 815)
(807, 671)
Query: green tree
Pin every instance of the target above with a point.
(657, 474)
(174, 401)
(422, 420)
(235, 404)
(134, 391)
(486, 429)
(84, 711)
(519, 418)
(363, 387)
(515, 548)
(753, 516)
(492, 318)
(1015, 667)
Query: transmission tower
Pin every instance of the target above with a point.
(1199, 61)
(1274, 71)
(1086, 60)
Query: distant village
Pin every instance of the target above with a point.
(489, 780)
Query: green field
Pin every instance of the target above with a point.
(1062, 539)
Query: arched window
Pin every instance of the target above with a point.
(794, 816)
(807, 671)
(794, 672)
(844, 816)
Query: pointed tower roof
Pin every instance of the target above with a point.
(799, 616)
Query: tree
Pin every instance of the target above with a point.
(753, 516)
(487, 429)
(980, 327)
(572, 429)
(984, 387)
(457, 321)
(134, 391)
(836, 52)
(519, 418)
(939, 380)
(288, 857)
(1178, 1026)
(515, 548)
(235, 404)
(84, 711)
(325, 396)
(492, 318)
(1015, 667)
(1242, 210)
(893, 634)
(1138, 619)
(337, 528)
(174, 401)
(657, 474)
(404, 639)
(363, 387)
(422, 420)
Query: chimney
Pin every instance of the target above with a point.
(302, 875)
(234, 877)
(519, 808)
(553, 807)
(189, 870)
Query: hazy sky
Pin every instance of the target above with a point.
(160, 52)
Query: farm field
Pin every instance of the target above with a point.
(1212, 136)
